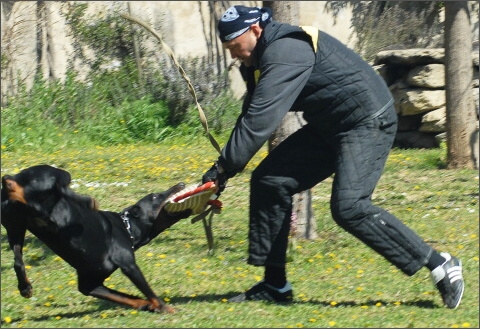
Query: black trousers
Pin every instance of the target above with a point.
(356, 158)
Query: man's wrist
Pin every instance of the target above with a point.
(220, 168)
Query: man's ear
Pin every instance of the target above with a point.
(256, 29)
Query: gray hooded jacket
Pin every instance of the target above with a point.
(304, 70)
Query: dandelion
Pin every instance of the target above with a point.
(378, 304)
(166, 299)
(58, 317)
(134, 312)
(47, 304)
(224, 300)
(466, 325)
(103, 315)
(149, 254)
(332, 323)
(312, 320)
(7, 319)
(359, 288)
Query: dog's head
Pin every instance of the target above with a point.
(150, 211)
(36, 186)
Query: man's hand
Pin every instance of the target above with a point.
(216, 174)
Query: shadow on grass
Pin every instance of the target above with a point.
(176, 302)
(428, 304)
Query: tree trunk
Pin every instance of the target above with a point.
(462, 133)
(303, 223)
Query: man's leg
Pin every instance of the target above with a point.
(297, 164)
(362, 156)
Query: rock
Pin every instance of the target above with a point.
(410, 56)
(427, 76)
(434, 121)
(414, 101)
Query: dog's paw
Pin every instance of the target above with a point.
(166, 309)
(26, 292)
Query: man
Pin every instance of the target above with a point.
(351, 125)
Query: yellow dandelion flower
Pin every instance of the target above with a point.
(312, 320)
(166, 299)
(466, 325)
(224, 300)
(103, 315)
(172, 260)
(28, 267)
(332, 323)
(230, 309)
(58, 317)
(7, 319)
(397, 303)
(359, 288)
(149, 254)
(364, 306)
(333, 303)
(134, 312)
(299, 325)
(378, 304)
(162, 256)
(47, 304)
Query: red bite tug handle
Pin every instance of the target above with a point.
(199, 189)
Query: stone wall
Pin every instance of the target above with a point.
(416, 78)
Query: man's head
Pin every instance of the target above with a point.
(240, 27)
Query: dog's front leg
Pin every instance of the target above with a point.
(138, 303)
(133, 272)
(24, 285)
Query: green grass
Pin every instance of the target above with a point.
(338, 282)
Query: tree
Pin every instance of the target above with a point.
(304, 225)
(461, 117)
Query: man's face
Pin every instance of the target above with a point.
(242, 47)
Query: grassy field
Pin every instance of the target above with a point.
(338, 282)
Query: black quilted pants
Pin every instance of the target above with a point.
(357, 159)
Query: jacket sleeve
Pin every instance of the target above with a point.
(284, 70)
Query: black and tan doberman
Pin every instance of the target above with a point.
(94, 242)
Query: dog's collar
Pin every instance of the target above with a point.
(126, 221)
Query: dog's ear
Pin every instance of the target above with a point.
(63, 178)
